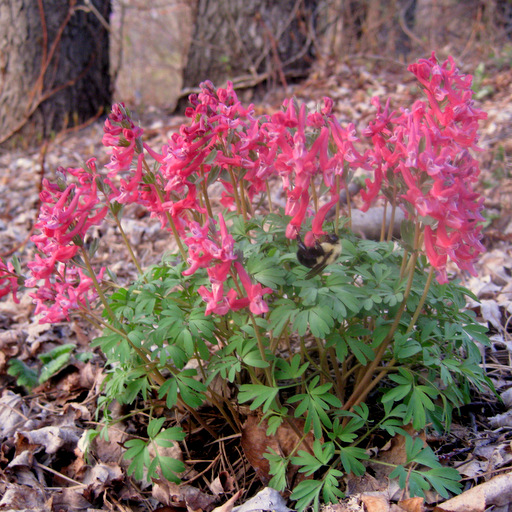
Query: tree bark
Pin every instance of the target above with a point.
(54, 66)
(251, 41)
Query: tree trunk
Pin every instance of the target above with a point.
(54, 66)
(251, 41)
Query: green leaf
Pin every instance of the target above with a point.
(340, 346)
(107, 342)
(320, 322)
(351, 457)
(307, 492)
(444, 480)
(331, 492)
(397, 393)
(169, 388)
(253, 359)
(418, 484)
(290, 370)
(138, 452)
(54, 361)
(309, 462)
(25, 376)
(154, 426)
(48, 357)
(301, 322)
(191, 390)
(278, 466)
(168, 437)
(416, 451)
(259, 394)
(170, 466)
(478, 332)
(315, 403)
(347, 295)
(267, 271)
(283, 313)
(361, 350)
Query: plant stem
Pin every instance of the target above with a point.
(128, 245)
(205, 194)
(349, 204)
(261, 348)
(338, 381)
(154, 373)
(422, 300)
(361, 390)
(269, 197)
(383, 223)
(101, 295)
(235, 190)
(243, 199)
(168, 215)
(314, 195)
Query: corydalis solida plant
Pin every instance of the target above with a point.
(238, 287)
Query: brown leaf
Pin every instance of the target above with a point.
(51, 438)
(70, 500)
(255, 443)
(222, 484)
(20, 497)
(497, 492)
(111, 450)
(228, 506)
(375, 503)
(412, 504)
(182, 496)
(365, 483)
(13, 413)
(102, 476)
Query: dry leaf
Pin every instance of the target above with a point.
(182, 496)
(21, 497)
(51, 438)
(375, 503)
(496, 492)
(501, 420)
(228, 506)
(364, 484)
(70, 500)
(255, 443)
(101, 476)
(412, 504)
(111, 450)
(224, 483)
(266, 499)
(13, 413)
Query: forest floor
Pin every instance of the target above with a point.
(42, 465)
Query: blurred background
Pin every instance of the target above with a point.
(63, 62)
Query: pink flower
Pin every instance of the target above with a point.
(203, 250)
(67, 292)
(65, 216)
(8, 280)
(254, 292)
(123, 137)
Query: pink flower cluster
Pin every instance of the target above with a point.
(8, 280)
(227, 143)
(65, 217)
(421, 158)
(304, 166)
(217, 257)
